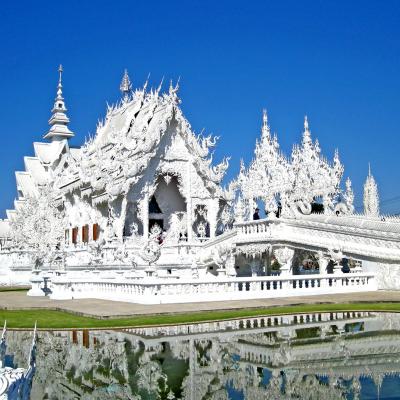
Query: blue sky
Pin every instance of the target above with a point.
(336, 61)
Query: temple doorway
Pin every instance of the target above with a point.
(166, 201)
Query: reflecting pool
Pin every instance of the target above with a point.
(310, 356)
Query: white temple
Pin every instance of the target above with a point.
(138, 213)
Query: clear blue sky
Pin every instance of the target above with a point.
(336, 61)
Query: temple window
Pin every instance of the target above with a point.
(85, 233)
(96, 231)
(74, 235)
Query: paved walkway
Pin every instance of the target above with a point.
(112, 309)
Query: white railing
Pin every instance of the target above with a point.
(261, 226)
(361, 242)
(156, 290)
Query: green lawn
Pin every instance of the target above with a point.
(48, 319)
(14, 289)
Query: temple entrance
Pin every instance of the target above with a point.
(166, 201)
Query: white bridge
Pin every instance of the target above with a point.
(374, 242)
(355, 236)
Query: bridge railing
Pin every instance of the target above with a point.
(254, 227)
(156, 290)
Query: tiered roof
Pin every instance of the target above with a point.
(59, 121)
(39, 168)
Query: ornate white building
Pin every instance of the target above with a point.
(138, 213)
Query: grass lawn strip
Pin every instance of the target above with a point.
(50, 319)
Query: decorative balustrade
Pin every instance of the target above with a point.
(157, 290)
(324, 233)
(261, 226)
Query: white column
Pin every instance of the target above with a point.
(122, 217)
(189, 202)
(267, 263)
(212, 216)
(90, 232)
(323, 261)
(230, 265)
(146, 214)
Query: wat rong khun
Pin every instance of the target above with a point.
(138, 214)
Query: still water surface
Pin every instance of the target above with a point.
(310, 356)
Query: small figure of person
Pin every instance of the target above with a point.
(279, 210)
(256, 215)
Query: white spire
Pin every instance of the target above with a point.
(59, 121)
(126, 85)
(306, 133)
(371, 196)
(349, 196)
(266, 133)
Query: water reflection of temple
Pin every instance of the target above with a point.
(15, 382)
(313, 356)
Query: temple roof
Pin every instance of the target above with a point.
(129, 137)
(25, 183)
(48, 152)
(4, 228)
(36, 170)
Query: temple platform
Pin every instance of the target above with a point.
(111, 309)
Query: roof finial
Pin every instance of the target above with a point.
(59, 87)
(265, 128)
(306, 133)
(59, 121)
(126, 85)
(265, 117)
(173, 90)
(60, 70)
(369, 168)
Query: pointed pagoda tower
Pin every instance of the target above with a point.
(371, 196)
(126, 86)
(59, 121)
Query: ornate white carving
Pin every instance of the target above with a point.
(151, 251)
(38, 226)
(295, 183)
(371, 196)
(284, 255)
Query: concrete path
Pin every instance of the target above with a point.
(111, 309)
